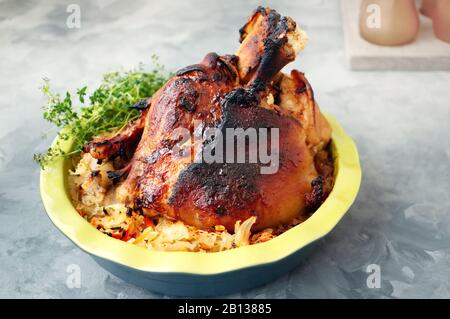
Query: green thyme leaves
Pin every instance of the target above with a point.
(108, 108)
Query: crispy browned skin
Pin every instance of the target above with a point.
(191, 95)
(264, 49)
(297, 97)
(118, 143)
(242, 91)
(221, 194)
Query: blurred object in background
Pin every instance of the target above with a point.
(426, 52)
(440, 14)
(427, 7)
(388, 22)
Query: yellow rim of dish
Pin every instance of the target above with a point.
(59, 208)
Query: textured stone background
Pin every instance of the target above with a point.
(400, 121)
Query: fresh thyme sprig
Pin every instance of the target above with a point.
(108, 110)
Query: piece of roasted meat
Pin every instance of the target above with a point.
(246, 90)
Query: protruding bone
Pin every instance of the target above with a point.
(268, 42)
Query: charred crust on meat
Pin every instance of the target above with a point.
(95, 173)
(220, 210)
(225, 185)
(185, 100)
(225, 188)
(218, 193)
(301, 88)
(122, 153)
(277, 26)
(186, 104)
(271, 42)
(188, 100)
(115, 176)
(316, 196)
(138, 210)
(277, 93)
(129, 211)
(241, 97)
(258, 85)
(179, 82)
(191, 68)
(102, 143)
(118, 175)
(242, 30)
(141, 105)
(227, 92)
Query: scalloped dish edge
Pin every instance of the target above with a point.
(57, 203)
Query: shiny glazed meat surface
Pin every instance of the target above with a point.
(246, 90)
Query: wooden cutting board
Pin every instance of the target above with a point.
(426, 53)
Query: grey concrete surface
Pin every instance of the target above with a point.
(400, 121)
